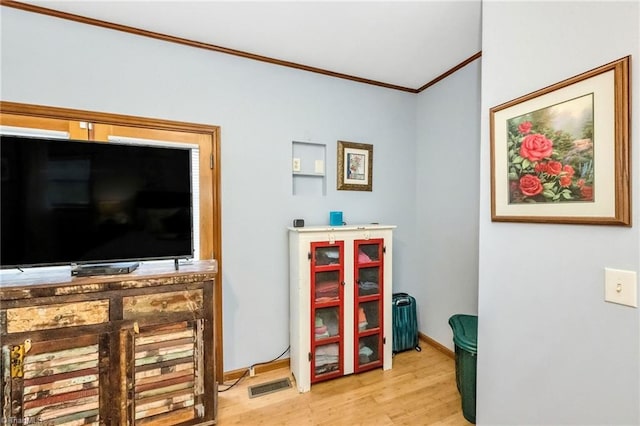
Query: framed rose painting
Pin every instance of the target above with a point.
(561, 154)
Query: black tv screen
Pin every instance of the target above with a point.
(65, 202)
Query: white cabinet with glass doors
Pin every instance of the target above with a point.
(340, 301)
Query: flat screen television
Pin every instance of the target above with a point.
(77, 202)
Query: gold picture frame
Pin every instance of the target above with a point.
(355, 166)
(561, 154)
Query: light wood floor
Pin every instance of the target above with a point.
(420, 389)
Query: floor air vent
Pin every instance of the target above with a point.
(269, 387)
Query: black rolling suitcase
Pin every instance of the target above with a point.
(405, 323)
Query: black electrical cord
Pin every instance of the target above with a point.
(248, 370)
(275, 359)
(234, 383)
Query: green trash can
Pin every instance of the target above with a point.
(465, 338)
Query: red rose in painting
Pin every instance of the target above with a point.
(530, 185)
(580, 183)
(587, 193)
(524, 128)
(540, 167)
(535, 147)
(554, 168)
(565, 181)
(568, 170)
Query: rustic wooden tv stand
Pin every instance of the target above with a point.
(131, 349)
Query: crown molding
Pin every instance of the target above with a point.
(451, 71)
(220, 49)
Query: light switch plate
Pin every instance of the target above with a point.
(296, 164)
(319, 166)
(621, 287)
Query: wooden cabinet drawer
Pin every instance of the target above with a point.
(170, 302)
(44, 317)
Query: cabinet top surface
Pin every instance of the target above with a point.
(369, 226)
(61, 276)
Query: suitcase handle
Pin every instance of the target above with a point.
(401, 299)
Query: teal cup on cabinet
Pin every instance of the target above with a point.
(335, 219)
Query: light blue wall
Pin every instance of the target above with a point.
(550, 350)
(261, 108)
(447, 196)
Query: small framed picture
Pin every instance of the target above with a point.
(355, 166)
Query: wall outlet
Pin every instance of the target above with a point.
(296, 164)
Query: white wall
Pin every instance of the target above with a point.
(261, 108)
(550, 350)
(448, 165)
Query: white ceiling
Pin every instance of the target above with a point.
(405, 44)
